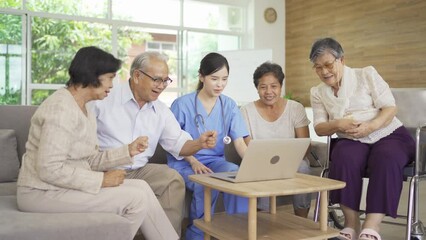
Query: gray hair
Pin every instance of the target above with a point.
(143, 60)
(326, 45)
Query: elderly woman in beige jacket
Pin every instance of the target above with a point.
(63, 169)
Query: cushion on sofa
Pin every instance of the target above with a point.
(16, 225)
(9, 162)
(7, 189)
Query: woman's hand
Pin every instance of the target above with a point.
(334, 126)
(346, 124)
(383, 119)
(362, 130)
(197, 166)
(113, 178)
(240, 146)
(200, 168)
(138, 146)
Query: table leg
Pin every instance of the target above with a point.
(323, 210)
(207, 208)
(252, 219)
(273, 205)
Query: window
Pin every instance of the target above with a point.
(164, 12)
(86, 8)
(40, 37)
(213, 16)
(54, 44)
(160, 46)
(16, 4)
(11, 59)
(198, 45)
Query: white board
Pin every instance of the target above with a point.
(242, 64)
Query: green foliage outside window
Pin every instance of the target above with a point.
(10, 35)
(10, 4)
(54, 43)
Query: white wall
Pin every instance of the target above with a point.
(267, 35)
(242, 64)
(263, 35)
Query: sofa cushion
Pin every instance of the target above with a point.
(8, 188)
(16, 225)
(9, 162)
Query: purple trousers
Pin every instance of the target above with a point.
(384, 161)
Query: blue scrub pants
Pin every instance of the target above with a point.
(233, 204)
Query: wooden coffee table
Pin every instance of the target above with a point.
(266, 225)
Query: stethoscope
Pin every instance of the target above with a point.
(201, 127)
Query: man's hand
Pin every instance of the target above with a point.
(208, 139)
(139, 145)
(113, 178)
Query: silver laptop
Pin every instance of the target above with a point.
(268, 159)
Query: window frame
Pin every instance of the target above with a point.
(28, 86)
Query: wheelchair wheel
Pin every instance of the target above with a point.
(336, 216)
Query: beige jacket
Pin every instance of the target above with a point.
(62, 150)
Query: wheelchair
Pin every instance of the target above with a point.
(411, 112)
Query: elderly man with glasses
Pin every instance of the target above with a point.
(132, 109)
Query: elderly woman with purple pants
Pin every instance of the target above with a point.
(358, 106)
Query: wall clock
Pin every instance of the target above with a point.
(270, 15)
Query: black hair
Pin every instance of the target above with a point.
(88, 64)
(210, 64)
(268, 67)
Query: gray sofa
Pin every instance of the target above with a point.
(16, 225)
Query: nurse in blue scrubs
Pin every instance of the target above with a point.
(208, 109)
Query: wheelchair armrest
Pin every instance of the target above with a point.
(318, 154)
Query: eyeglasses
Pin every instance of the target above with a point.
(158, 81)
(328, 66)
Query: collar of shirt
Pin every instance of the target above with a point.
(127, 95)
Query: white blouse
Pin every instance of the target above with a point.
(362, 94)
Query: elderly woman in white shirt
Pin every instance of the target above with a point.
(358, 106)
